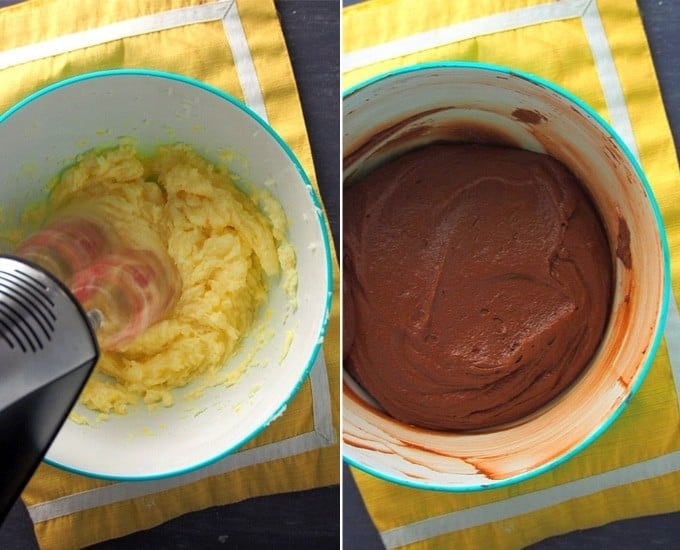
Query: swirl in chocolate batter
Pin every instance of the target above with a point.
(477, 284)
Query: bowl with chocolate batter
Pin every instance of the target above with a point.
(504, 276)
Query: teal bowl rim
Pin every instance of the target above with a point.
(662, 313)
(320, 218)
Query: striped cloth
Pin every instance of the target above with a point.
(237, 46)
(596, 49)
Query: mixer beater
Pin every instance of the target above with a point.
(124, 290)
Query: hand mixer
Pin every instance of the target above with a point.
(70, 289)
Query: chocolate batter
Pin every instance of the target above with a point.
(477, 284)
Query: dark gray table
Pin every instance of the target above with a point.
(308, 518)
(661, 19)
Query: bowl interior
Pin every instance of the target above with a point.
(459, 102)
(44, 134)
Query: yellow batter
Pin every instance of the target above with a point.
(225, 249)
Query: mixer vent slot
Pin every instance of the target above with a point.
(27, 315)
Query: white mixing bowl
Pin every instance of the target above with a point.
(44, 133)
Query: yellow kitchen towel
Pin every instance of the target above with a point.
(237, 46)
(597, 50)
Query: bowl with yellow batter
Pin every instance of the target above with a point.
(176, 169)
(505, 276)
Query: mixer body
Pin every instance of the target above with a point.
(68, 280)
(47, 351)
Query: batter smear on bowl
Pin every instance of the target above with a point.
(478, 284)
